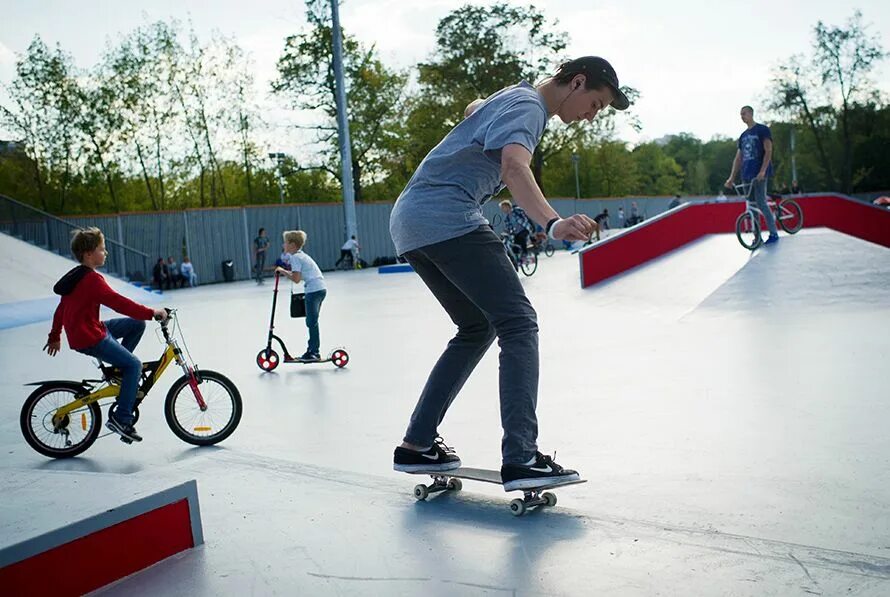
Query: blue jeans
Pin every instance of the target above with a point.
(120, 355)
(313, 308)
(474, 281)
(757, 194)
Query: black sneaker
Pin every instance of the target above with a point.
(438, 458)
(127, 432)
(310, 356)
(543, 472)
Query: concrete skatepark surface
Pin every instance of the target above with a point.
(728, 410)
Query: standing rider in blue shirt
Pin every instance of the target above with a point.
(754, 159)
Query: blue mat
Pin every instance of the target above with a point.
(395, 269)
(25, 312)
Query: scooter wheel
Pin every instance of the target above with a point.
(340, 358)
(267, 359)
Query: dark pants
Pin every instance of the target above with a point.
(344, 254)
(260, 265)
(120, 354)
(474, 281)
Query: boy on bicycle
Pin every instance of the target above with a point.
(83, 290)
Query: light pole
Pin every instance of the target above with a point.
(575, 159)
(343, 125)
(793, 157)
(279, 159)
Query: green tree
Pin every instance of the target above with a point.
(373, 92)
(823, 90)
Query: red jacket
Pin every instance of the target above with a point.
(82, 290)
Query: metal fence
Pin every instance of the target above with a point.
(54, 234)
(210, 237)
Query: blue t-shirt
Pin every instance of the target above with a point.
(751, 147)
(444, 198)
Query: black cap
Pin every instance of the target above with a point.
(599, 69)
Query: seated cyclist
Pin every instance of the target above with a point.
(83, 290)
(517, 225)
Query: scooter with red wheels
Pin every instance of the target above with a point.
(268, 359)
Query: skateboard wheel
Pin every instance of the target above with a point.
(455, 484)
(549, 498)
(340, 358)
(267, 359)
(517, 507)
(421, 492)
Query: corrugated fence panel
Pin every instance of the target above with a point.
(216, 235)
(373, 228)
(324, 225)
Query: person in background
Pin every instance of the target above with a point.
(187, 270)
(753, 159)
(176, 279)
(161, 275)
(260, 245)
(795, 188)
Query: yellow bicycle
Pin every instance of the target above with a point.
(61, 419)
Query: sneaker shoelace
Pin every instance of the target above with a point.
(441, 445)
(548, 460)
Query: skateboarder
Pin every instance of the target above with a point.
(438, 226)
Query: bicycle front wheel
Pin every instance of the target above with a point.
(529, 264)
(790, 215)
(747, 230)
(207, 425)
(69, 437)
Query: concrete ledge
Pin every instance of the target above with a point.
(98, 550)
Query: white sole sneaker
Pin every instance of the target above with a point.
(423, 468)
(533, 482)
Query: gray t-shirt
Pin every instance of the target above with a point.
(444, 198)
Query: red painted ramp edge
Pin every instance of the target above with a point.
(674, 228)
(99, 550)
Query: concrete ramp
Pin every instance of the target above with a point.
(30, 297)
(818, 269)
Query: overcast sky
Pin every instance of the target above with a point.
(695, 62)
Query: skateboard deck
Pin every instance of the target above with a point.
(450, 481)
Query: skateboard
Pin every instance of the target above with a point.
(533, 497)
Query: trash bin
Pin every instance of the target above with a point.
(228, 267)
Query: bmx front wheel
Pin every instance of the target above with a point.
(747, 230)
(790, 215)
(267, 359)
(70, 436)
(207, 425)
(529, 264)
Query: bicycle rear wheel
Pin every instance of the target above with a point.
(790, 215)
(747, 230)
(211, 424)
(549, 249)
(73, 435)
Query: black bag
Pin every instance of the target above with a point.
(298, 305)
